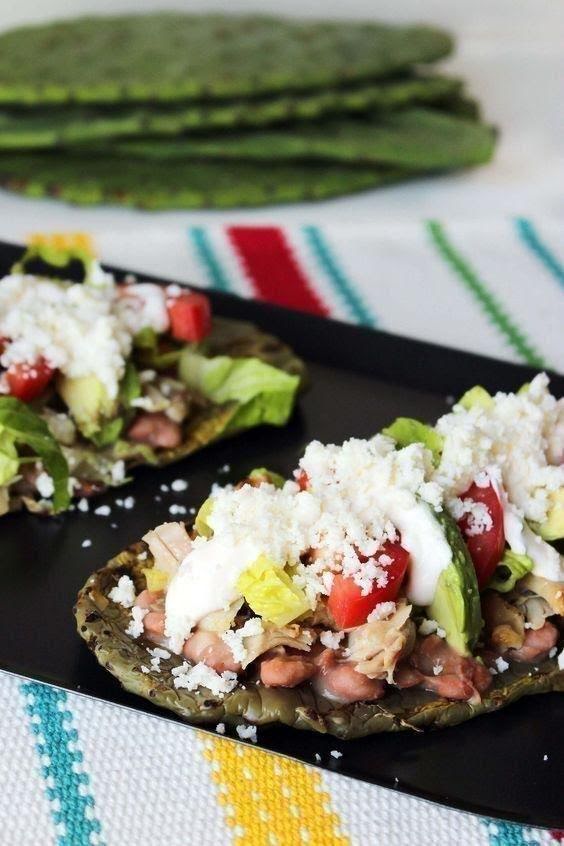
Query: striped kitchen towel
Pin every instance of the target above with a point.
(77, 772)
(495, 288)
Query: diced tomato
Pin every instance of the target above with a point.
(27, 381)
(486, 549)
(346, 602)
(190, 316)
(302, 480)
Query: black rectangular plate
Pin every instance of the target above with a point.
(360, 380)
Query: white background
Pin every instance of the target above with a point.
(511, 52)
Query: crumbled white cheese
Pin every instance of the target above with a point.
(145, 669)
(437, 668)
(164, 488)
(220, 728)
(331, 639)
(142, 556)
(521, 434)
(501, 665)
(545, 757)
(336, 754)
(157, 652)
(179, 485)
(118, 471)
(225, 469)
(234, 638)
(135, 627)
(200, 675)
(381, 611)
(247, 733)
(103, 511)
(124, 592)
(83, 504)
(175, 508)
(86, 543)
(129, 502)
(428, 627)
(317, 757)
(552, 652)
(45, 485)
(479, 518)
(561, 660)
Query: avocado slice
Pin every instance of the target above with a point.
(456, 604)
(87, 400)
(262, 474)
(201, 522)
(553, 527)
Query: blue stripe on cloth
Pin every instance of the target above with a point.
(337, 277)
(206, 254)
(66, 788)
(509, 834)
(532, 240)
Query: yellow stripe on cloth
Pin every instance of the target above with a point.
(271, 801)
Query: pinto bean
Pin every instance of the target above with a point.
(340, 680)
(209, 648)
(154, 623)
(406, 676)
(286, 670)
(156, 430)
(449, 686)
(537, 644)
(148, 598)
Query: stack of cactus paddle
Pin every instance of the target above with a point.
(187, 111)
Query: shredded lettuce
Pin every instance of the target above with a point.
(406, 431)
(19, 422)
(510, 569)
(264, 394)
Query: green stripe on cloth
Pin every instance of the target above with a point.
(206, 254)
(337, 277)
(532, 240)
(66, 788)
(494, 310)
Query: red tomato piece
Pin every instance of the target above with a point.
(27, 381)
(302, 480)
(190, 316)
(346, 602)
(3, 344)
(486, 549)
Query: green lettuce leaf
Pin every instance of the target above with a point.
(26, 427)
(406, 431)
(264, 394)
(130, 385)
(108, 433)
(510, 569)
(9, 463)
(146, 344)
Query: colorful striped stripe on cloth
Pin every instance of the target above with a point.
(76, 772)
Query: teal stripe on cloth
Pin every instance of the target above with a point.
(67, 790)
(206, 254)
(337, 277)
(509, 834)
(532, 240)
(514, 335)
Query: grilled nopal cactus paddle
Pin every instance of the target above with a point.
(414, 138)
(168, 57)
(102, 623)
(146, 183)
(44, 128)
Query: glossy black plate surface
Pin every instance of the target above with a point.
(361, 379)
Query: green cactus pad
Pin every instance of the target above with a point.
(418, 139)
(102, 623)
(171, 56)
(42, 128)
(166, 184)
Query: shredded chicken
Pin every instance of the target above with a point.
(375, 648)
(293, 636)
(169, 544)
(551, 592)
(505, 624)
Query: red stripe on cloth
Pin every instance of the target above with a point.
(558, 835)
(273, 270)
